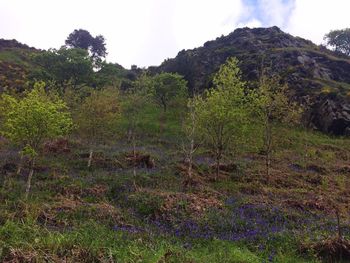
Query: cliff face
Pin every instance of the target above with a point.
(311, 71)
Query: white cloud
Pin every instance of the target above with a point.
(253, 23)
(196, 22)
(312, 19)
(142, 32)
(145, 32)
(275, 12)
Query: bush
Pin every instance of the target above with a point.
(146, 204)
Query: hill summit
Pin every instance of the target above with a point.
(313, 73)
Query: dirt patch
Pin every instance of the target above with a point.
(193, 205)
(140, 160)
(103, 212)
(196, 181)
(99, 191)
(331, 250)
(57, 146)
(18, 255)
(313, 203)
(343, 170)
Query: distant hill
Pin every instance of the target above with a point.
(18, 69)
(311, 71)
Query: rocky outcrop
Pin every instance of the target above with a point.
(311, 71)
(332, 115)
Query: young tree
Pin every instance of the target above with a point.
(223, 111)
(274, 106)
(339, 40)
(134, 100)
(190, 137)
(32, 120)
(97, 117)
(168, 87)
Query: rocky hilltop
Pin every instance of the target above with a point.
(313, 73)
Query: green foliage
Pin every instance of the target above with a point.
(167, 88)
(274, 103)
(84, 40)
(35, 118)
(339, 40)
(146, 204)
(109, 75)
(134, 101)
(223, 112)
(64, 67)
(98, 115)
(95, 243)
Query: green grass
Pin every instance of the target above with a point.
(92, 243)
(15, 56)
(72, 210)
(95, 243)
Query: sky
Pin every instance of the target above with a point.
(146, 32)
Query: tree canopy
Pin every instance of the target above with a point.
(339, 40)
(30, 121)
(223, 112)
(97, 117)
(168, 87)
(64, 67)
(81, 38)
(37, 117)
(274, 105)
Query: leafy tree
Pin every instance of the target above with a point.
(339, 40)
(84, 40)
(64, 67)
(190, 137)
(110, 75)
(223, 112)
(97, 117)
(32, 120)
(134, 100)
(168, 87)
(274, 106)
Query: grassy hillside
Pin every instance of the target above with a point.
(15, 66)
(77, 214)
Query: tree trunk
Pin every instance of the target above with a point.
(190, 160)
(90, 159)
(29, 180)
(340, 235)
(268, 164)
(268, 150)
(217, 172)
(162, 121)
(19, 168)
(134, 156)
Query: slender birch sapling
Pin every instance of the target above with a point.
(30, 121)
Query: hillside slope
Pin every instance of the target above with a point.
(15, 64)
(310, 70)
